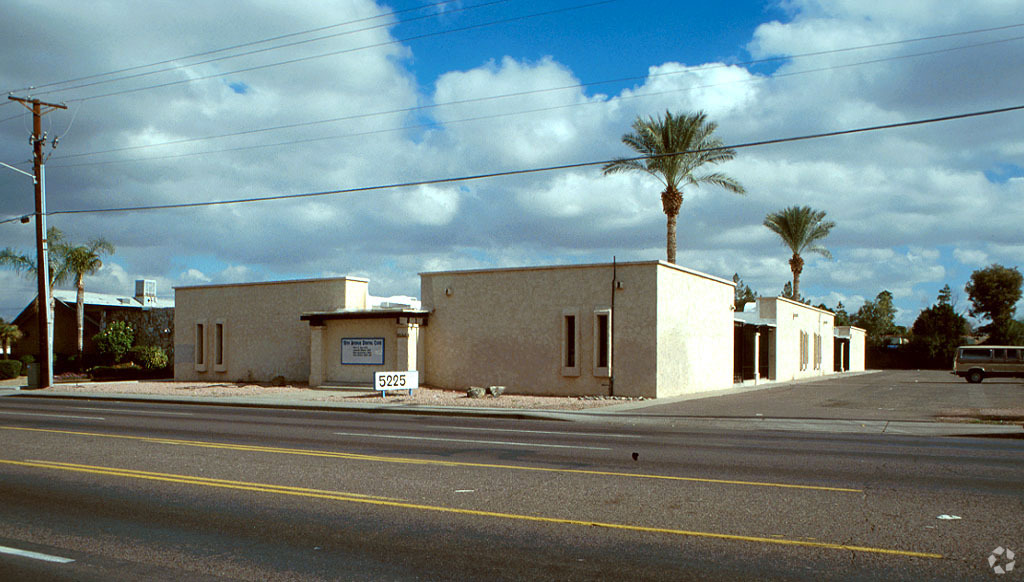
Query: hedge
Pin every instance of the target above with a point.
(9, 369)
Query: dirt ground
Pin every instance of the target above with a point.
(425, 396)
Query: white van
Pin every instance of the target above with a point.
(979, 362)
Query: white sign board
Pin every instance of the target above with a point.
(362, 351)
(407, 380)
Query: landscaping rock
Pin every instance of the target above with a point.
(476, 392)
(496, 391)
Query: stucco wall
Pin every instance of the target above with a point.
(858, 340)
(335, 372)
(505, 327)
(695, 331)
(264, 337)
(791, 319)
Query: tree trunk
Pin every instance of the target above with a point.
(797, 265)
(671, 200)
(80, 317)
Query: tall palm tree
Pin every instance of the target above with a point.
(56, 260)
(800, 227)
(80, 261)
(674, 147)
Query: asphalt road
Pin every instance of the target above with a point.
(142, 491)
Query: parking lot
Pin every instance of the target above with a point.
(911, 395)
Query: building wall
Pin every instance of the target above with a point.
(335, 331)
(858, 340)
(695, 331)
(506, 327)
(792, 320)
(263, 336)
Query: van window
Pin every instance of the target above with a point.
(1013, 355)
(975, 354)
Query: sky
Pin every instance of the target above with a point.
(195, 102)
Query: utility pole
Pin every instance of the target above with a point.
(44, 315)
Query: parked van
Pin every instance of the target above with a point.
(979, 362)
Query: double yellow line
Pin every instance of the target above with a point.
(388, 502)
(409, 461)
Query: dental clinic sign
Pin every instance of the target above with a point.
(362, 351)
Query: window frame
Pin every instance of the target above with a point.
(604, 371)
(219, 347)
(570, 342)
(199, 359)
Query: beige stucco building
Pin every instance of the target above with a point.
(650, 329)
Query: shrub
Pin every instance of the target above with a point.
(115, 340)
(26, 360)
(9, 369)
(149, 357)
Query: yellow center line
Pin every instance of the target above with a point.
(408, 461)
(340, 496)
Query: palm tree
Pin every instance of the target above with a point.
(800, 227)
(9, 334)
(80, 261)
(57, 272)
(674, 147)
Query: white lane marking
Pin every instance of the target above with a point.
(128, 411)
(53, 415)
(563, 433)
(470, 441)
(34, 555)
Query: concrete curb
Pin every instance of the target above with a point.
(601, 415)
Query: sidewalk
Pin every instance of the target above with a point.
(845, 404)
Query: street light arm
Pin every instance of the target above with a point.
(30, 175)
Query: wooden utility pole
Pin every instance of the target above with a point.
(43, 313)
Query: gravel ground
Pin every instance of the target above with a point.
(422, 396)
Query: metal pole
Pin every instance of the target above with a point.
(42, 256)
(43, 313)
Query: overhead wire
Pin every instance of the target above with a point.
(534, 170)
(638, 95)
(252, 52)
(253, 43)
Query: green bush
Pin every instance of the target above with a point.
(115, 340)
(9, 369)
(26, 360)
(149, 357)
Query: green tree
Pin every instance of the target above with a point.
(877, 317)
(800, 228)
(9, 334)
(994, 292)
(115, 340)
(674, 148)
(842, 317)
(744, 294)
(939, 329)
(80, 261)
(57, 272)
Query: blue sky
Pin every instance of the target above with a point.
(915, 208)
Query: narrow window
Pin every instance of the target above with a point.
(570, 363)
(218, 344)
(602, 342)
(570, 341)
(200, 359)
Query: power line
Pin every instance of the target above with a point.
(261, 50)
(561, 88)
(464, 120)
(536, 170)
(345, 51)
(248, 44)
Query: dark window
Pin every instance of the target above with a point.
(570, 341)
(602, 340)
(975, 354)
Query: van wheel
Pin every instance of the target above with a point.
(975, 376)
